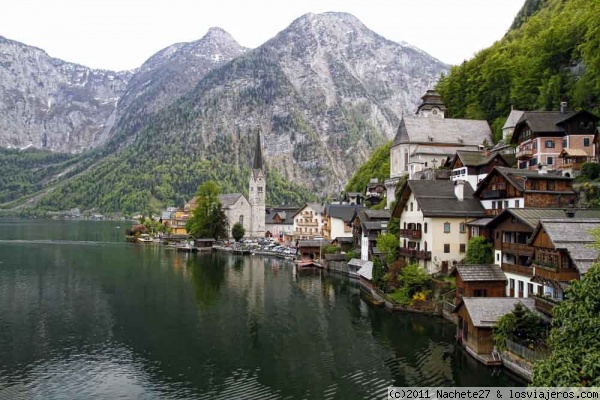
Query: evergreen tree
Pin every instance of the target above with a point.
(480, 251)
(238, 231)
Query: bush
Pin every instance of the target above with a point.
(591, 170)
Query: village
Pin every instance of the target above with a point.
(449, 189)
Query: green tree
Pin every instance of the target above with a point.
(521, 326)
(388, 246)
(238, 231)
(480, 251)
(574, 340)
(208, 219)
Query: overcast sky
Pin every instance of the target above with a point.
(122, 34)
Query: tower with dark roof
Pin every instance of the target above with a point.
(257, 193)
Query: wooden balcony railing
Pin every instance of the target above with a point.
(493, 211)
(517, 269)
(520, 248)
(309, 223)
(412, 253)
(493, 194)
(555, 274)
(525, 153)
(410, 233)
(544, 305)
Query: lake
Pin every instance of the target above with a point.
(84, 315)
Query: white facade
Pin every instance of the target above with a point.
(364, 247)
(338, 228)
(308, 222)
(502, 204)
(238, 211)
(445, 237)
(462, 174)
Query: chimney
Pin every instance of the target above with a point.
(563, 107)
(459, 189)
(570, 213)
(542, 169)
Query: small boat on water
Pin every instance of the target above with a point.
(307, 264)
(145, 238)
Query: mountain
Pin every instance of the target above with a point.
(550, 56)
(323, 93)
(52, 104)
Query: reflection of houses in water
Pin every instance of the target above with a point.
(431, 364)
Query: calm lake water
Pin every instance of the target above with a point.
(84, 315)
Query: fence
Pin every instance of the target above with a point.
(525, 352)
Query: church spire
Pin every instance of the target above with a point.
(258, 158)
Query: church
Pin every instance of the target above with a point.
(249, 212)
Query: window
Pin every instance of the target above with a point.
(241, 220)
(462, 227)
(425, 227)
(550, 144)
(505, 203)
(549, 160)
(406, 207)
(530, 289)
(521, 288)
(480, 293)
(447, 248)
(463, 248)
(411, 206)
(418, 207)
(534, 147)
(493, 205)
(260, 189)
(534, 185)
(497, 256)
(446, 227)
(517, 203)
(586, 142)
(550, 185)
(565, 143)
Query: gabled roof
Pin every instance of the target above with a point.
(513, 118)
(311, 243)
(342, 211)
(574, 236)
(317, 207)
(532, 216)
(366, 270)
(284, 213)
(479, 273)
(448, 131)
(227, 200)
(485, 311)
(476, 158)
(377, 214)
(573, 153)
(517, 178)
(438, 199)
(548, 121)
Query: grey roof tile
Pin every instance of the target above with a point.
(443, 131)
(480, 272)
(485, 311)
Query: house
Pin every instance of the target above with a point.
(433, 222)
(474, 166)
(337, 219)
(570, 161)
(477, 317)
(310, 249)
(562, 252)
(308, 221)
(428, 139)
(541, 136)
(366, 226)
(482, 280)
(511, 232)
(353, 198)
(375, 191)
(506, 188)
(279, 223)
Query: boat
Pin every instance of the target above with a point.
(145, 238)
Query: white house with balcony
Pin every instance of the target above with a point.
(309, 221)
(433, 222)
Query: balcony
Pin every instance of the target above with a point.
(517, 269)
(494, 194)
(308, 223)
(554, 274)
(493, 211)
(525, 153)
(413, 253)
(544, 305)
(410, 233)
(517, 248)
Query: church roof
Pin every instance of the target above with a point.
(227, 200)
(513, 118)
(258, 158)
(443, 131)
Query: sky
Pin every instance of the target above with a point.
(122, 34)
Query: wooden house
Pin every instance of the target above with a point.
(310, 250)
(366, 226)
(563, 252)
(541, 136)
(506, 188)
(477, 317)
(474, 166)
(482, 280)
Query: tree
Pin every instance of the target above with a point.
(574, 340)
(521, 326)
(388, 246)
(238, 231)
(480, 251)
(208, 219)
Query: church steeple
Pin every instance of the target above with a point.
(258, 158)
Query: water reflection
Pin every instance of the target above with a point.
(145, 321)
